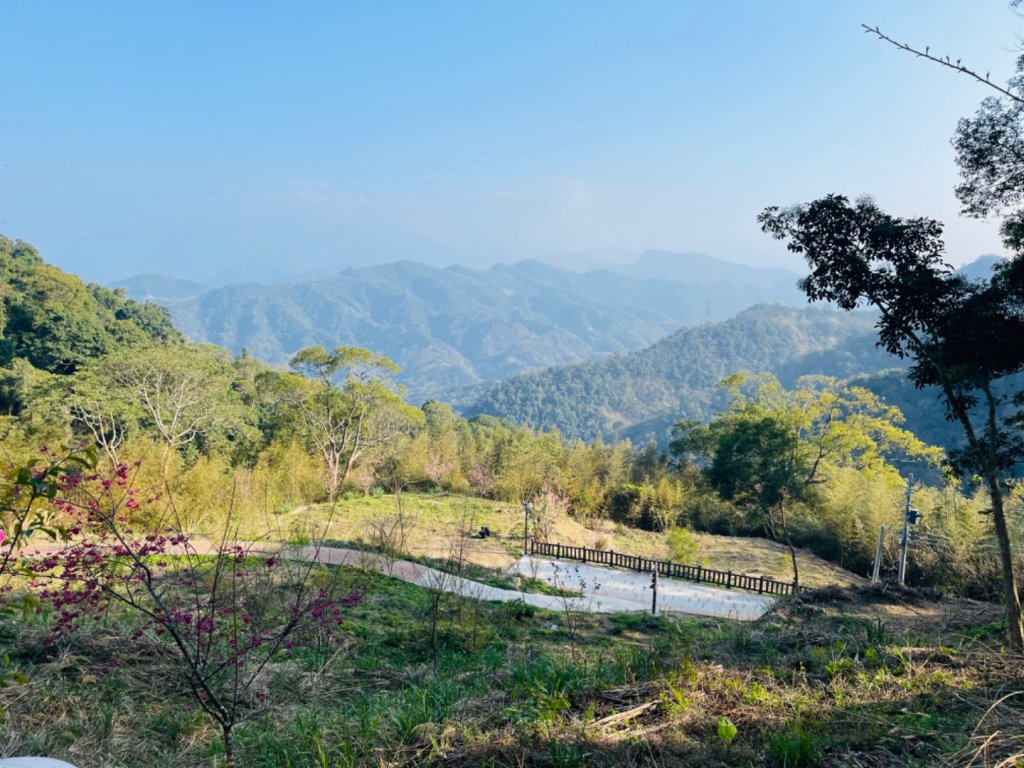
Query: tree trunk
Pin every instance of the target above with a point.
(987, 466)
(792, 551)
(229, 747)
(1014, 620)
(165, 463)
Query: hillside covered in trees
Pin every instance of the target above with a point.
(640, 394)
(338, 423)
(53, 325)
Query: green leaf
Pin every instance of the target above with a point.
(29, 603)
(726, 730)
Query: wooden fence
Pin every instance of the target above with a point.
(696, 573)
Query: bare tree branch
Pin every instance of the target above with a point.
(945, 61)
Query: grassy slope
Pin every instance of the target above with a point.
(844, 683)
(436, 517)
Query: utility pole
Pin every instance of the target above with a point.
(878, 554)
(654, 592)
(905, 539)
(526, 527)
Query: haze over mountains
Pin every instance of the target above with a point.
(618, 352)
(458, 329)
(226, 252)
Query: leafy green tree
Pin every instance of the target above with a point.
(772, 447)
(962, 337)
(758, 463)
(444, 434)
(348, 406)
(523, 461)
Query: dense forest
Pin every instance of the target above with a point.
(641, 394)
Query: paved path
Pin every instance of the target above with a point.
(630, 591)
(603, 590)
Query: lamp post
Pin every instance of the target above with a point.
(526, 526)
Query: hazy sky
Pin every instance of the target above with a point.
(319, 134)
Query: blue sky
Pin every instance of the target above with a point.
(294, 136)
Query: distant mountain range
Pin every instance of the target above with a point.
(456, 330)
(623, 351)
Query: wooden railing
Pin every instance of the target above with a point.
(696, 573)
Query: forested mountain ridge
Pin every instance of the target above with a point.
(640, 394)
(53, 323)
(455, 329)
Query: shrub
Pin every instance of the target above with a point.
(682, 546)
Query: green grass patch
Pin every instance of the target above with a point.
(507, 685)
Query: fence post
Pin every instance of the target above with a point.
(698, 574)
(728, 580)
(584, 555)
(760, 586)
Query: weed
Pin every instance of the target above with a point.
(875, 632)
(564, 754)
(726, 730)
(795, 747)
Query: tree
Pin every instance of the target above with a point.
(962, 337)
(758, 463)
(773, 446)
(965, 346)
(109, 414)
(183, 393)
(223, 610)
(348, 407)
(522, 462)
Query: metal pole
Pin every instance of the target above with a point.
(905, 540)
(526, 527)
(878, 554)
(654, 593)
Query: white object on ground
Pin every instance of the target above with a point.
(33, 762)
